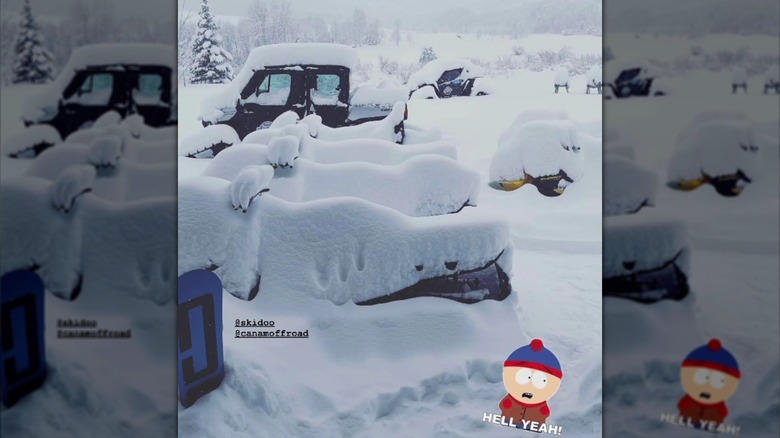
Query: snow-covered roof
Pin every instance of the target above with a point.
(276, 55)
(119, 53)
(432, 71)
(301, 54)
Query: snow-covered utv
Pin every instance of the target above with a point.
(304, 78)
(634, 80)
(125, 78)
(646, 255)
(441, 79)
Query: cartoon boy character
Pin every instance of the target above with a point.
(532, 375)
(709, 376)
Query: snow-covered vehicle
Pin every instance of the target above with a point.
(124, 78)
(444, 78)
(371, 103)
(593, 79)
(646, 255)
(307, 78)
(541, 148)
(392, 129)
(772, 80)
(632, 79)
(720, 148)
(265, 202)
(739, 80)
(561, 79)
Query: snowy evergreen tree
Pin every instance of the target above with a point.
(212, 64)
(427, 55)
(32, 62)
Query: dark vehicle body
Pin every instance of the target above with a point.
(323, 90)
(127, 89)
(450, 84)
(304, 89)
(632, 82)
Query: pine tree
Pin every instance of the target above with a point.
(32, 63)
(427, 55)
(212, 63)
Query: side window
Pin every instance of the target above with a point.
(450, 75)
(273, 90)
(149, 89)
(96, 89)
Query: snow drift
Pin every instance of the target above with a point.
(627, 186)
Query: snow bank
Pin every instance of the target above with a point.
(26, 142)
(425, 185)
(276, 55)
(371, 151)
(717, 147)
(539, 148)
(201, 142)
(424, 93)
(561, 76)
(432, 71)
(380, 129)
(627, 187)
(35, 233)
(530, 116)
(337, 257)
(635, 243)
(620, 148)
(482, 86)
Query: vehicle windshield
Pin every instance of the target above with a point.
(149, 89)
(273, 90)
(450, 75)
(95, 89)
(628, 75)
(327, 88)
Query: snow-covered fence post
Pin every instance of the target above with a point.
(23, 360)
(199, 315)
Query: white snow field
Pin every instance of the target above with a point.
(341, 225)
(733, 253)
(105, 255)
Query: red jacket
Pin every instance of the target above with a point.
(696, 411)
(517, 411)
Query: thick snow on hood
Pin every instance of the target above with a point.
(539, 148)
(715, 147)
(98, 55)
(431, 72)
(276, 55)
(642, 241)
(341, 249)
(626, 185)
(425, 185)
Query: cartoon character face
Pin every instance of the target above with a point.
(529, 385)
(706, 385)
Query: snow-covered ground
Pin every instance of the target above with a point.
(429, 366)
(734, 258)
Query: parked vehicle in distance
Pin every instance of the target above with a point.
(445, 78)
